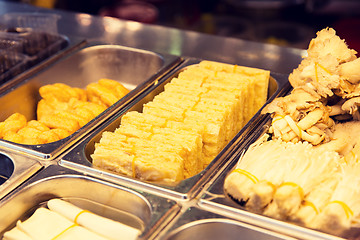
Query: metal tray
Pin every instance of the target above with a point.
(15, 168)
(213, 226)
(137, 209)
(79, 157)
(135, 69)
(213, 198)
(23, 48)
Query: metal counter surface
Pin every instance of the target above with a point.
(169, 40)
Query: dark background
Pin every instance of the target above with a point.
(283, 22)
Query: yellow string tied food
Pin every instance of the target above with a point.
(271, 185)
(292, 184)
(78, 215)
(63, 231)
(247, 174)
(349, 213)
(312, 205)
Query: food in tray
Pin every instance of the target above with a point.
(305, 169)
(63, 220)
(61, 111)
(184, 127)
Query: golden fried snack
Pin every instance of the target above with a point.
(29, 135)
(62, 133)
(13, 137)
(86, 108)
(62, 92)
(120, 90)
(49, 106)
(35, 132)
(37, 125)
(54, 121)
(12, 124)
(62, 111)
(106, 91)
(48, 136)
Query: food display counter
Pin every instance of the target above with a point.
(144, 58)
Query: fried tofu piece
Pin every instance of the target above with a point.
(54, 121)
(12, 124)
(106, 91)
(13, 137)
(62, 92)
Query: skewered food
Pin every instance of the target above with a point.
(183, 128)
(61, 111)
(312, 145)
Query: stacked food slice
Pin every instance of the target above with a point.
(183, 128)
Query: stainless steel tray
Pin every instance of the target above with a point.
(213, 198)
(135, 69)
(15, 168)
(79, 157)
(137, 209)
(201, 224)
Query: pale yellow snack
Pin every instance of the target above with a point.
(195, 116)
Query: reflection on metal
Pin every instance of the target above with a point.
(84, 19)
(176, 43)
